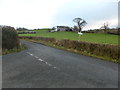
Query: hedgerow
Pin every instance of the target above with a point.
(10, 38)
(104, 50)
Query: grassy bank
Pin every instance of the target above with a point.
(6, 51)
(88, 37)
(102, 51)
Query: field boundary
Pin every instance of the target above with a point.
(102, 51)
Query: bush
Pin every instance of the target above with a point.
(10, 38)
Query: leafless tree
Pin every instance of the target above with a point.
(80, 22)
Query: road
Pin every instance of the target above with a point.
(45, 67)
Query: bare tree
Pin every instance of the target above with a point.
(80, 22)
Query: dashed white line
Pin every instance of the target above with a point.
(41, 60)
(54, 67)
(31, 54)
(36, 57)
(46, 62)
(49, 64)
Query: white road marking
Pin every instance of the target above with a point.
(46, 62)
(49, 64)
(31, 54)
(36, 57)
(54, 67)
(41, 60)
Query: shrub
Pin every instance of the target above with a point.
(10, 38)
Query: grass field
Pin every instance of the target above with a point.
(89, 37)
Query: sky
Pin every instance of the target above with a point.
(33, 14)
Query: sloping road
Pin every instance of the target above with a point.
(44, 67)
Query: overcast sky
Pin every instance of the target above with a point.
(48, 13)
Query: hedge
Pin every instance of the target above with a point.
(104, 50)
(10, 38)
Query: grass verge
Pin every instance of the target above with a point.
(75, 51)
(6, 51)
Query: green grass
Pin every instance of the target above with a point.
(89, 37)
(6, 51)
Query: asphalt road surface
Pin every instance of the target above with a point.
(45, 67)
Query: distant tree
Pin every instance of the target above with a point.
(21, 29)
(105, 27)
(80, 22)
